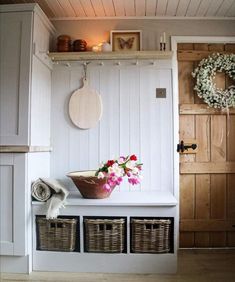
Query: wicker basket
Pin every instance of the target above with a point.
(150, 235)
(104, 235)
(56, 234)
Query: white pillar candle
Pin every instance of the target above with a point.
(95, 48)
(160, 39)
(164, 37)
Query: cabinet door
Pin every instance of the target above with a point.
(12, 204)
(15, 50)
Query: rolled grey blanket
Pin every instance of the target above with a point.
(41, 191)
(52, 192)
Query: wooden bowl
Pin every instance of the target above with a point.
(89, 185)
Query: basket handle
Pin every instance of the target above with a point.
(152, 226)
(105, 226)
(56, 225)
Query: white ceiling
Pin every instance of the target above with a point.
(194, 9)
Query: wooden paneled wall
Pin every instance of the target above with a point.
(207, 180)
(133, 121)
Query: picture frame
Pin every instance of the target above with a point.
(126, 40)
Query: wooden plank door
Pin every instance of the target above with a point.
(207, 177)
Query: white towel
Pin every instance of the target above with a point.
(43, 188)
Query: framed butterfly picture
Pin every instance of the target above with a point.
(126, 40)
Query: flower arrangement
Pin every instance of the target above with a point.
(115, 170)
(205, 86)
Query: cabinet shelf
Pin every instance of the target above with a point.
(124, 55)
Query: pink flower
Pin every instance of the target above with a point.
(121, 160)
(133, 180)
(110, 182)
(115, 170)
(119, 180)
(106, 186)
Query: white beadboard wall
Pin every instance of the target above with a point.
(40, 103)
(133, 121)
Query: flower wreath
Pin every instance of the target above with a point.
(206, 88)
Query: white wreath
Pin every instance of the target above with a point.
(205, 86)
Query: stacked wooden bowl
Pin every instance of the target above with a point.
(64, 43)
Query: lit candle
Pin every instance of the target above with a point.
(95, 48)
(164, 37)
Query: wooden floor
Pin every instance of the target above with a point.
(194, 266)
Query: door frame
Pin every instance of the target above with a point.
(175, 79)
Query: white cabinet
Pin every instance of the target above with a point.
(15, 75)
(13, 204)
(17, 171)
(25, 95)
(25, 76)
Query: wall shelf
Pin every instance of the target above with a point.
(124, 55)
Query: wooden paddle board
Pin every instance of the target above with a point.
(85, 107)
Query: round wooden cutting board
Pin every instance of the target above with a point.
(85, 107)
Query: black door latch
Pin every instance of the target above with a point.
(181, 147)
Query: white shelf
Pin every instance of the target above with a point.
(150, 198)
(24, 149)
(124, 55)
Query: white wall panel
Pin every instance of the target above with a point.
(172, 7)
(213, 8)
(109, 8)
(94, 133)
(145, 125)
(6, 201)
(202, 8)
(161, 7)
(129, 8)
(88, 8)
(40, 104)
(77, 6)
(15, 43)
(224, 8)
(133, 121)
(60, 124)
(56, 8)
(166, 149)
(182, 8)
(119, 7)
(193, 8)
(98, 8)
(67, 8)
(151, 6)
(231, 10)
